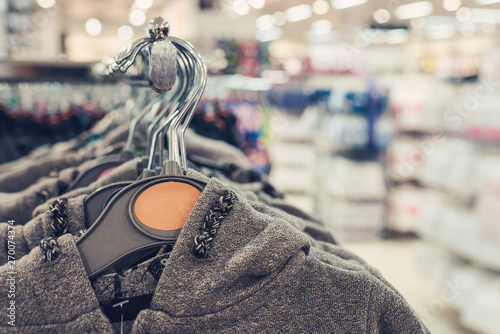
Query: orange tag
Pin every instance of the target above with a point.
(166, 206)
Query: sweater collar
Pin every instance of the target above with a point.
(249, 250)
(252, 255)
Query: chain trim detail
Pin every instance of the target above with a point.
(59, 217)
(51, 249)
(203, 241)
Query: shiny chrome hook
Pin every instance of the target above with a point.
(197, 78)
(162, 63)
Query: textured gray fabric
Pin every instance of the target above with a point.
(40, 152)
(37, 153)
(115, 136)
(53, 297)
(262, 275)
(308, 224)
(28, 236)
(18, 206)
(40, 226)
(128, 171)
(215, 150)
(28, 173)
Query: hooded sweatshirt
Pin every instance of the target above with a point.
(232, 269)
(128, 171)
(26, 173)
(67, 216)
(18, 206)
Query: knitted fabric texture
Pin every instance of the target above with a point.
(262, 275)
(212, 222)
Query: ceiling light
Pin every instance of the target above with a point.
(137, 18)
(314, 37)
(319, 30)
(125, 33)
(463, 14)
(265, 22)
(279, 18)
(396, 36)
(480, 15)
(381, 16)
(322, 25)
(144, 4)
(268, 34)
(418, 22)
(342, 4)
(257, 4)
(451, 5)
(320, 7)
(468, 29)
(46, 3)
(298, 13)
(93, 27)
(241, 7)
(487, 2)
(411, 10)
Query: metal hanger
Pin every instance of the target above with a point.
(95, 203)
(150, 212)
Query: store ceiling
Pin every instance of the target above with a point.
(349, 21)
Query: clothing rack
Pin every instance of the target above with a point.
(106, 237)
(64, 71)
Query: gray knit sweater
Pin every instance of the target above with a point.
(261, 275)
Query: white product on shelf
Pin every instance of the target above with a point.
(346, 179)
(296, 180)
(473, 292)
(285, 127)
(286, 154)
(338, 132)
(404, 159)
(488, 198)
(451, 166)
(459, 232)
(351, 220)
(414, 103)
(405, 207)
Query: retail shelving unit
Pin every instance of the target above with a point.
(446, 188)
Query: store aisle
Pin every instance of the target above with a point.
(396, 260)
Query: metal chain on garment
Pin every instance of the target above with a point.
(59, 225)
(51, 249)
(202, 241)
(59, 217)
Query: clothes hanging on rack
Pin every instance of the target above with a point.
(262, 274)
(23, 174)
(65, 214)
(242, 261)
